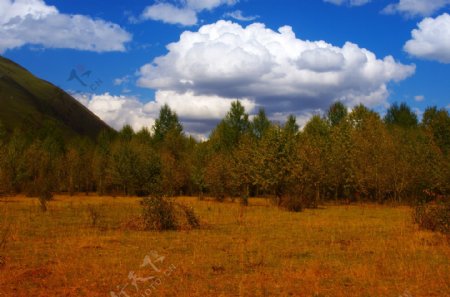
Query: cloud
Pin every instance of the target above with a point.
(415, 8)
(238, 15)
(348, 2)
(276, 70)
(117, 111)
(199, 5)
(121, 80)
(419, 112)
(419, 98)
(33, 22)
(431, 40)
(185, 15)
(197, 113)
(170, 14)
(193, 107)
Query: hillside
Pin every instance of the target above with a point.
(30, 104)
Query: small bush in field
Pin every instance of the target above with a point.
(160, 214)
(434, 217)
(191, 217)
(95, 214)
(44, 197)
(292, 203)
(244, 200)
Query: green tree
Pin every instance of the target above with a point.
(340, 161)
(372, 163)
(260, 124)
(13, 163)
(228, 133)
(173, 147)
(200, 157)
(437, 123)
(336, 113)
(312, 149)
(126, 133)
(243, 167)
(275, 159)
(290, 127)
(359, 116)
(101, 159)
(122, 167)
(401, 115)
(41, 173)
(123, 163)
(78, 166)
(218, 173)
(147, 173)
(166, 122)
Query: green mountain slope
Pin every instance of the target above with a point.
(30, 104)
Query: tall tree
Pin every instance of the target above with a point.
(401, 115)
(122, 167)
(437, 122)
(312, 149)
(165, 123)
(13, 165)
(341, 165)
(372, 163)
(336, 113)
(359, 116)
(291, 127)
(260, 124)
(101, 160)
(228, 133)
(41, 174)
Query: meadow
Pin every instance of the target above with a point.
(86, 246)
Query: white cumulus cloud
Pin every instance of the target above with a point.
(200, 5)
(275, 69)
(419, 98)
(197, 113)
(184, 14)
(413, 8)
(348, 2)
(239, 15)
(117, 111)
(170, 14)
(194, 107)
(431, 40)
(34, 22)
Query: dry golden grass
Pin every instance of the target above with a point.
(358, 250)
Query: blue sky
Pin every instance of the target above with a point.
(337, 53)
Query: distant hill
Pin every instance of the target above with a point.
(31, 104)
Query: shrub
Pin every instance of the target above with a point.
(434, 217)
(44, 197)
(191, 217)
(292, 203)
(160, 214)
(95, 214)
(244, 200)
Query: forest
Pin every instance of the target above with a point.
(344, 156)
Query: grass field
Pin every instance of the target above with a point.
(356, 250)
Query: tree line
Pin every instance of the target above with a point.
(342, 156)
